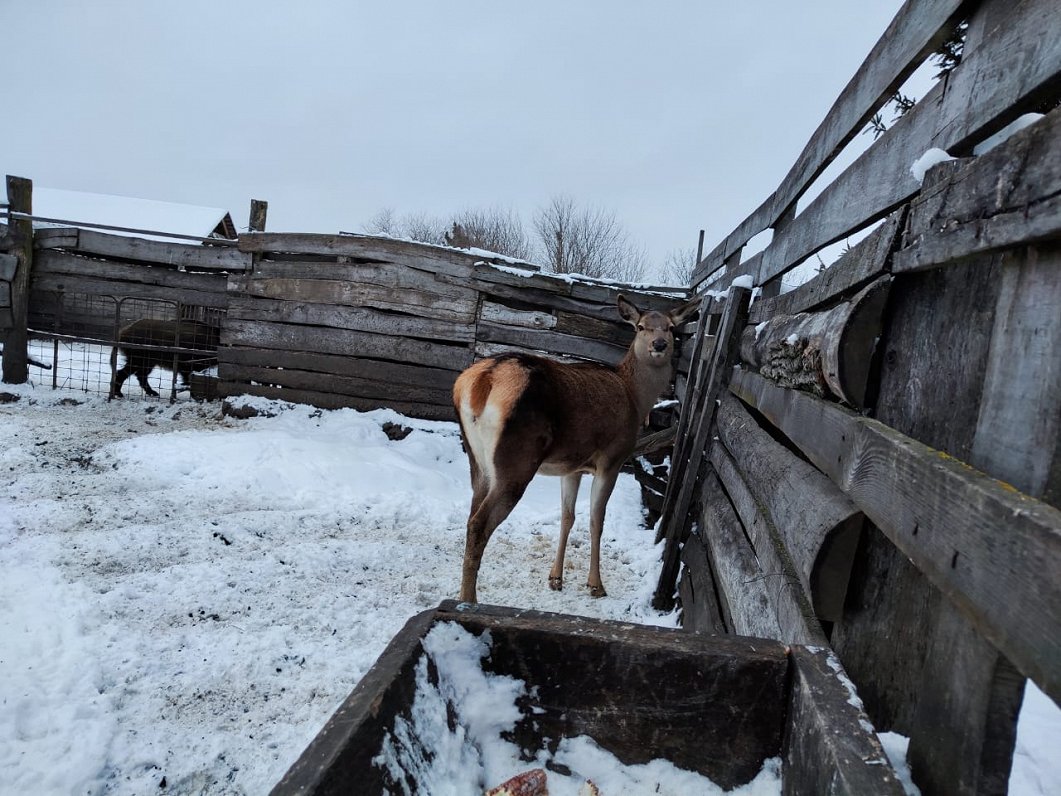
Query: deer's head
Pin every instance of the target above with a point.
(654, 341)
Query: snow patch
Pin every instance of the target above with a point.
(931, 158)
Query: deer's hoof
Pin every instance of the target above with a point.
(597, 591)
(556, 584)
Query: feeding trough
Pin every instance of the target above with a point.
(573, 689)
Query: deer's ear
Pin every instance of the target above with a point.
(681, 314)
(628, 310)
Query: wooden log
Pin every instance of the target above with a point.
(1004, 198)
(361, 319)
(325, 400)
(287, 337)
(788, 598)
(123, 247)
(817, 526)
(722, 359)
(483, 350)
(506, 316)
(978, 97)
(973, 537)
(830, 745)
(827, 352)
(865, 261)
(393, 373)
(746, 602)
(20, 232)
(56, 238)
(915, 32)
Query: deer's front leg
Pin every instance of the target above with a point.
(603, 484)
(568, 493)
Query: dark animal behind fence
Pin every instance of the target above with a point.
(169, 334)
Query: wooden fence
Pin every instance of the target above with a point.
(330, 320)
(872, 461)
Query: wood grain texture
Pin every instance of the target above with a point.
(973, 537)
(917, 29)
(123, 247)
(745, 600)
(815, 523)
(319, 340)
(827, 352)
(362, 319)
(19, 242)
(865, 261)
(675, 518)
(778, 577)
(830, 746)
(328, 400)
(1022, 60)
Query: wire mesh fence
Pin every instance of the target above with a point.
(124, 346)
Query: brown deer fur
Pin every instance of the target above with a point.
(522, 414)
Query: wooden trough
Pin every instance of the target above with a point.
(719, 706)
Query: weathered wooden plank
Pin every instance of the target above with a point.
(1019, 61)
(20, 243)
(185, 255)
(383, 274)
(362, 319)
(8, 264)
(746, 603)
(1007, 197)
(778, 577)
(830, 745)
(309, 381)
(119, 289)
(917, 30)
(1018, 430)
(506, 316)
(287, 337)
(722, 359)
(701, 612)
(973, 537)
(367, 247)
(817, 525)
(258, 214)
(826, 352)
(391, 372)
(50, 262)
(56, 238)
(403, 298)
(483, 350)
(547, 340)
(615, 331)
(325, 400)
(865, 261)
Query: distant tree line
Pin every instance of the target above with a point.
(564, 237)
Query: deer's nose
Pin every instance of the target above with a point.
(659, 344)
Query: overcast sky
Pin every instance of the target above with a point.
(675, 115)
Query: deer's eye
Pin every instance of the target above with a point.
(640, 328)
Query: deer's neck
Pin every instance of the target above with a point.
(645, 381)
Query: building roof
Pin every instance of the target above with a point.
(122, 211)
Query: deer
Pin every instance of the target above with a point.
(522, 414)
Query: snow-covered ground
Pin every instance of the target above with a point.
(187, 597)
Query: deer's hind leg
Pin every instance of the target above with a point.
(517, 457)
(568, 494)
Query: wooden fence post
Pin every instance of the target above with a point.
(259, 209)
(16, 356)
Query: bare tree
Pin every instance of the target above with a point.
(494, 229)
(412, 226)
(678, 267)
(588, 241)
